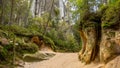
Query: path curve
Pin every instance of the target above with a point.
(61, 60)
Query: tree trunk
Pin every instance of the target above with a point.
(11, 14)
(39, 10)
(2, 12)
(47, 23)
(27, 13)
(36, 8)
(44, 5)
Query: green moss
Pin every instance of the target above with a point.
(26, 48)
(13, 28)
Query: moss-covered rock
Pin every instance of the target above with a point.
(25, 35)
(26, 48)
(109, 47)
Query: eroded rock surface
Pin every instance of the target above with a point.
(38, 56)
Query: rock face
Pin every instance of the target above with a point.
(41, 44)
(114, 63)
(100, 34)
(105, 49)
(88, 44)
(110, 45)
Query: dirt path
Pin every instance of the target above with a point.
(61, 60)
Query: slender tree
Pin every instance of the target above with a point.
(2, 12)
(50, 13)
(44, 5)
(11, 13)
(36, 8)
(27, 13)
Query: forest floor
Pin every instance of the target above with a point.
(62, 60)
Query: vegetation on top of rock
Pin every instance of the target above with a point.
(111, 16)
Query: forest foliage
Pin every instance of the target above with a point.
(18, 25)
(19, 22)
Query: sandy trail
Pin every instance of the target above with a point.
(61, 60)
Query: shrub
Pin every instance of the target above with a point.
(111, 17)
(14, 28)
(3, 54)
(50, 42)
(27, 48)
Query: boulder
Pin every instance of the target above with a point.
(38, 56)
(4, 41)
